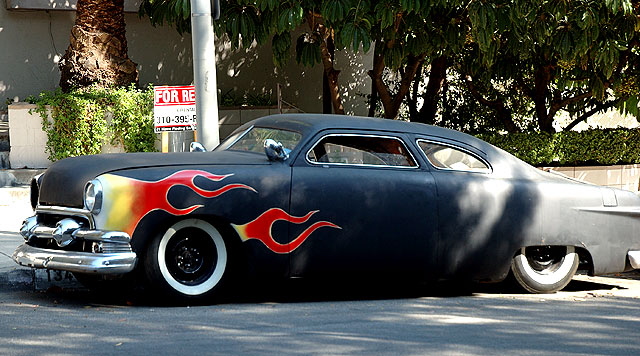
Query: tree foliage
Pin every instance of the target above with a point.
(562, 55)
(518, 59)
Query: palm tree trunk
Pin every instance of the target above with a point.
(97, 52)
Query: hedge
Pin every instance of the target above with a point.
(572, 148)
(83, 120)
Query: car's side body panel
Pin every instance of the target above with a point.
(150, 199)
(484, 221)
(578, 215)
(387, 218)
(517, 205)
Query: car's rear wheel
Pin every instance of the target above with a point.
(188, 261)
(545, 269)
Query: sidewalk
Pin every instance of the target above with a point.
(13, 276)
(15, 206)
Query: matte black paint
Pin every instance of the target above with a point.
(421, 222)
(64, 182)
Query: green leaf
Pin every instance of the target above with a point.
(281, 44)
(393, 57)
(385, 14)
(334, 10)
(307, 51)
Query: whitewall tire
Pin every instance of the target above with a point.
(189, 260)
(545, 269)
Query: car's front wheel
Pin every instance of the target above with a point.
(545, 269)
(190, 260)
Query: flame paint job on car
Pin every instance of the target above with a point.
(260, 229)
(128, 200)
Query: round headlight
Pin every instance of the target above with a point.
(93, 196)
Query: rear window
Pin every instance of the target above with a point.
(448, 157)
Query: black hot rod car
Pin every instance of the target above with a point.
(321, 195)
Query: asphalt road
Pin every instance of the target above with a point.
(40, 315)
(596, 317)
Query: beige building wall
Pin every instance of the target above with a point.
(251, 70)
(33, 41)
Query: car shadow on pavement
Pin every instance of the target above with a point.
(585, 286)
(304, 291)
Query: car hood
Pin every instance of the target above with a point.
(63, 183)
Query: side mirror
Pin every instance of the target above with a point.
(275, 151)
(196, 147)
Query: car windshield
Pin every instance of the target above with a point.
(252, 140)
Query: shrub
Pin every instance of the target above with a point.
(590, 147)
(83, 120)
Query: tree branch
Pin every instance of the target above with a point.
(323, 35)
(559, 104)
(503, 113)
(586, 115)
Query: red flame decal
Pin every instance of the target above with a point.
(260, 229)
(153, 195)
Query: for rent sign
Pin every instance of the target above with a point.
(174, 108)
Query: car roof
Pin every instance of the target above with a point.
(503, 163)
(311, 123)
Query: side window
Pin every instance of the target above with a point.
(361, 150)
(447, 157)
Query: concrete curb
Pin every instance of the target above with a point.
(15, 206)
(16, 277)
(31, 279)
(19, 278)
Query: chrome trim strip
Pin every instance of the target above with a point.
(61, 210)
(241, 136)
(81, 262)
(115, 237)
(618, 210)
(43, 232)
(634, 259)
(413, 158)
(560, 174)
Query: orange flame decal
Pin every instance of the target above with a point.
(260, 229)
(156, 192)
(148, 196)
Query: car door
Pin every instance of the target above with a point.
(374, 204)
(481, 215)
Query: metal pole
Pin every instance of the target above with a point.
(204, 73)
(279, 98)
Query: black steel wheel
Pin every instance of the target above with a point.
(545, 269)
(189, 260)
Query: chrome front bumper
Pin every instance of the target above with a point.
(82, 262)
(111, 250)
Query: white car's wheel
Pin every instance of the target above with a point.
(189, 260)
(545, 269)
